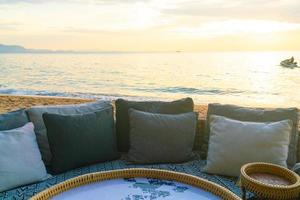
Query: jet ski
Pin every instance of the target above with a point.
(289, 63)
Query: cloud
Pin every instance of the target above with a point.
(111, 1)
(71, 1)
(281, 10)
(169, 21)
(235, 27)
(72, 30)
(21, 1)
(9, 26)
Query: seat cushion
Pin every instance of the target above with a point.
(122, 117)
(14, 119)
(256, 115)
(35, 115)
(192, 167)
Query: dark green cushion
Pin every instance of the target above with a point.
(82, 139)
(12, 120)
(35, 115)
(122, 117)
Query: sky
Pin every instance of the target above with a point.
(151, 25)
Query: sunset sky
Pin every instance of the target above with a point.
(151, 25)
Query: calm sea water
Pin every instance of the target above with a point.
(245, 78)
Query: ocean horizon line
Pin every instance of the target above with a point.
(148, 52)
(18, 49)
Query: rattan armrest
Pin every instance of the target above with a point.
(296, 168)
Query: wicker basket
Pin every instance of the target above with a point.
(215, 189)
(270, 191)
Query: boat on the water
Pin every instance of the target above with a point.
(290, 63)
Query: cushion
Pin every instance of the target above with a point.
(234, 143)
(20, 161)
(35, 115)
(12, 120)
(122, 118)
(256, 115)
(82, 139)
(161, 138)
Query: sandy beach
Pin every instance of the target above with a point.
(14, 102)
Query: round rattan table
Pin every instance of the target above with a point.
(269, 181)
(136, 183)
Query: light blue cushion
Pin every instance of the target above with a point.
(20, 159)
(14, 119)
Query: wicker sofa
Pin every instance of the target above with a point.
(193, 167)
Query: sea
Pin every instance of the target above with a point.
(242, 78)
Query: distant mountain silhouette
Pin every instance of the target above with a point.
(12, 49)
(19, 49)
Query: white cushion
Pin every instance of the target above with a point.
(20, 159)
(234, 143)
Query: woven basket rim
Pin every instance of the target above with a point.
(192, 180)
(258, 165)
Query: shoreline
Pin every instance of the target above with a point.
(14, 102)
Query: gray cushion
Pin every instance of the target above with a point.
(161, 138)
(20, 161)
(256, 115)
(14, 119)
(35, 115)
(122, 118)
(82, 139)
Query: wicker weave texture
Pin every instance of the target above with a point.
(268, 191)
(137, 172)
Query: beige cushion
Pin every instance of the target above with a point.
(234, 143)
(257, 115)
